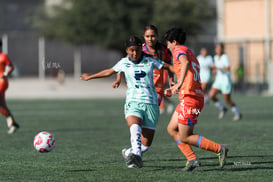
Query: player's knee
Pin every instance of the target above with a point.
(184, 140)
(211, 95)
(171, 131)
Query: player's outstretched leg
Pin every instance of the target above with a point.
(220, 150)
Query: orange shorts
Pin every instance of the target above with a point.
(189, 109)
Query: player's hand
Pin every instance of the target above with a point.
(168, 92)
(115, 84)
(172, 90)
(84, 77)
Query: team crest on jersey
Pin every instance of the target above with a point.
(146, 62)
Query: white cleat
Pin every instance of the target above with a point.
(237, 117)
(222, 113)
(13, 128)
(123, 153)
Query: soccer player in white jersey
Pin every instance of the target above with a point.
(141, 108)
(223, 83)
(206, 64)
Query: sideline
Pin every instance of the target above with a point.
(33, 88)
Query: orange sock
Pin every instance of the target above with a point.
(186, 150)
(162, 105)
(209, 145)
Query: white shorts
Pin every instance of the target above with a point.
(149, 113)
(225, 86)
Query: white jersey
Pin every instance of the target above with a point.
(206, 64)
(139, 78)
(222, 62)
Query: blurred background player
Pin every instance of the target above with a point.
(6, 67)
(155, 49)
(223, 83)
(141, 107)
(191, 98)
(206, 64)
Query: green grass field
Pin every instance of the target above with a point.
(91, 133)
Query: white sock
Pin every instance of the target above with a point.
(128, 151)
(9, 121)
(135, 131)
(144, 148)
(206, 99)
(235, 110)
(219, 105)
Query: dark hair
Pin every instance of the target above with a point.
(158, 44)
(177, 34)
(0, 43)
(221, 44)
(133, 41)
(152, 27)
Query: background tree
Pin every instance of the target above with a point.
(192, 15)
(108, 23)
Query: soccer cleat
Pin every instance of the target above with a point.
(222, 155)
(191, 165)
(222, 113)
(237, 117)
(14, 127)
(134, 161)
(124, 156)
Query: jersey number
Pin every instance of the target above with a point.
(196, 67)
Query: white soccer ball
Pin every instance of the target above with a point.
(44, 142)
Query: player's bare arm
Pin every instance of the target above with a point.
(117, 82)
(184, 69)
(170, 70)
(225, 68)
(101, 74)
(8, 70)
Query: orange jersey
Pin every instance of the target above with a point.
(158, 77)
(191, 84)
(4, 61)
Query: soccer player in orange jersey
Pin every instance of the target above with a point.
(6, 68)
(191, 98)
